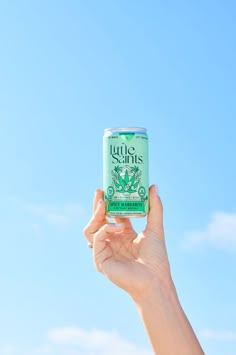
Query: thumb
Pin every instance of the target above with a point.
(155, 215)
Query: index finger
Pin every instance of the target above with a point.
(96, 222)
(98, 196)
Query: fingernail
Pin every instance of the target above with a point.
(156, 188)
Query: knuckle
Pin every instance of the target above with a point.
(86, 231)
(98, 265)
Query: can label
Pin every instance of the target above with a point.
(125, 173)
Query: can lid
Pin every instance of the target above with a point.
(126, 129)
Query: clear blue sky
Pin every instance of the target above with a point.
(69, 69)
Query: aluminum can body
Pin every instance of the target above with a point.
(125, 172)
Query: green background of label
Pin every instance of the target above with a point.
(140, 143)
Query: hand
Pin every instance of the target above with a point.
(131, 261)
(138, 263)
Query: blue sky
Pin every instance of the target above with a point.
(69, 69)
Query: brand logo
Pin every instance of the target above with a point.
(122, 154)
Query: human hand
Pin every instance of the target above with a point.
(131, 261)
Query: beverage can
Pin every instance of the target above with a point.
(125, 172)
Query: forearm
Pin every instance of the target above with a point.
(167, 326)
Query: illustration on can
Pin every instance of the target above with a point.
(125, 172)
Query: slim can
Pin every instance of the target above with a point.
(125, 172)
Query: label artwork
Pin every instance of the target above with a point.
(126, 174)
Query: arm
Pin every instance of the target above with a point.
(166, 324)
(138, 263)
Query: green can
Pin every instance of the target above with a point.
(125, 172)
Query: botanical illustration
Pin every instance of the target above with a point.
(126, 178)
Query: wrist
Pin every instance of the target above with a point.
(156, 290)
(165, 321)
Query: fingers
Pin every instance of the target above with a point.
(98, 219)
(103, 233)
(126, 222)
(101, 239)
(98, 196)
(155, 216)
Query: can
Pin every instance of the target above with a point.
(125, 172)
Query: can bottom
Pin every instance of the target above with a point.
(140, 215)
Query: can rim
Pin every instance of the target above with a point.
(126, 129)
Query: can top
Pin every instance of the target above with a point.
(108, 131)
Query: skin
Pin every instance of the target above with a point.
(138, 263)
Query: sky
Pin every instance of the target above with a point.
(68, 70)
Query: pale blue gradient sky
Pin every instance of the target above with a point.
(69, 69)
